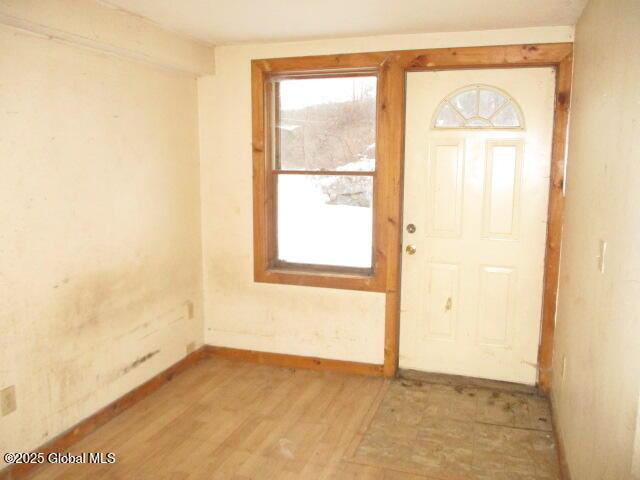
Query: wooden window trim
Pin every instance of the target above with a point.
(392, 68)
(267, 268)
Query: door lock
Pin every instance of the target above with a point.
(411, 228)
(411, 249)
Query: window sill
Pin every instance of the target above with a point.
(322, 277)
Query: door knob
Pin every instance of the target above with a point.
(411, 249)
(411, 228)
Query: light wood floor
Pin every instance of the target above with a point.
(231, 420)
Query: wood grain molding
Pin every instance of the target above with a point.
(499, 56)
(62, 442)
(295, 361)
(555, 217)
(393, 146)
(391, 68)
(267, 267)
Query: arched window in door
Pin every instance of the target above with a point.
(478, 107)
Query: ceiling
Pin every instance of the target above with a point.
(224, 22)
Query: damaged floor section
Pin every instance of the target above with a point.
(231, 420)
(460, 432)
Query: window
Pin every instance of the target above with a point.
(319, 222)
(324, 159)
(478, 107)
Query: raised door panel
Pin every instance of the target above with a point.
(496, 306)
(440, 302)
(444, 188)
(501, 206)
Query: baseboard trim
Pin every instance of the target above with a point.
(63, 441)
(295, 361)
(562, 457)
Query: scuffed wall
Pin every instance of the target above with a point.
(598, 320)
(337, 324)
(100, 263)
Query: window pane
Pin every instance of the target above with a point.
(466, 103)
(490, 101)
(448, 117)
(326, 124)
(507, 117)
(325, 220)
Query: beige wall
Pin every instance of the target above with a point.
(96, 25)
(239, 313)
(99, 230)
(598, 327)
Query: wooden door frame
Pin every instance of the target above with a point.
(392, 68)
(558, 56)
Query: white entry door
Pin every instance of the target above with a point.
(478, 149)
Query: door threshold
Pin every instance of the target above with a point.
(462, 381)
